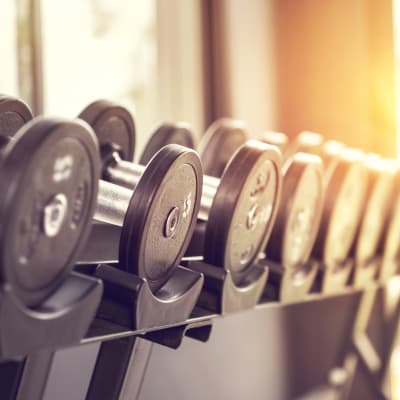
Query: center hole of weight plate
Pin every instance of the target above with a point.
(54, 214)
(171, 222)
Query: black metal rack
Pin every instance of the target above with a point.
(119, 341)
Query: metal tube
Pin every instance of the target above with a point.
(112, 203)
(124, 173)
(127, 174)
(211, 181)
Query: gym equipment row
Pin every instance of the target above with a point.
(95, 246)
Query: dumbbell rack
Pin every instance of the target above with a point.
(117, 342)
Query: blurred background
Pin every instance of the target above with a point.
(326, 66)
(285, 65)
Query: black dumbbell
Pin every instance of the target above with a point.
(167, 133)
(240, 207)
(159, 210)
(48, 181)
(220, 141)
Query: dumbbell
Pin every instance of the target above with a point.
(240, 207)
(220, 141)
(158, 212)
(48, 184)
(380, 189)
(167, 133)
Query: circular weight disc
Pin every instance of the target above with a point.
(380, 189)
(342, 211)
(244, 208)
(172, 181)
(219, 143)
(167, 133)
(14, 113)
(299, 214)
(48, 180)
(113, 125)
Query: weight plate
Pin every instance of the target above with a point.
(244, 208)
(219, 143)
(379, 192)
(113, 125)
(299, 214)
(278, 139)
(14, 113)
(341, 215)
(48, 178)
(296, 226)
(162, 215)
(391, 239)
(167, 133)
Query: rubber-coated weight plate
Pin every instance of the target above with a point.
(167, 133)
(244, 208)
(278, 139)
(299, 214)
(113, 125)
(379, 193)
(14, 113)
(296, 226)
(219, 143)
(162, 215)
(341, 215)
(48, 180)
